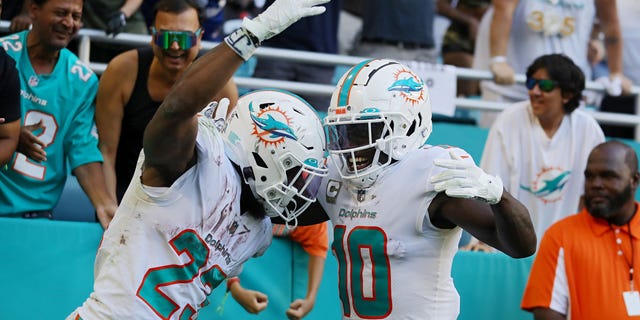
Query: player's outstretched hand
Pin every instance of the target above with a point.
(463, 179)
(280, 15)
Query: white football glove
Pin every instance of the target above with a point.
(465, 180)
(277, 17)
(217, 111)
(280, 15)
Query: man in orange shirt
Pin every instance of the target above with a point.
(585, 263)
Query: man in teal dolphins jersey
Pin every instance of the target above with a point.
(57, 107)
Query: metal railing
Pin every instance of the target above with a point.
(86, 36)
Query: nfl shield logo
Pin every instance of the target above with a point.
(33, 81)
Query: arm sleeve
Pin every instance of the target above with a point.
(9, 88)
(82, 140)
(547, 285)
(313, 238)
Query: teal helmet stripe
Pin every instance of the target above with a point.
(348, 82)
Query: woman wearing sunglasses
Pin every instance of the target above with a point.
(539, 147)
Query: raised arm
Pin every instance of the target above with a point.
(170, 137)
(499, 33)
(169, 140)
(229, 91)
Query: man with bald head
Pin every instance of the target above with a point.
(585, 265)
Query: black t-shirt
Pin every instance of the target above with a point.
(9, 88)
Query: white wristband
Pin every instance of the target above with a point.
(243, 43)
(497, 59)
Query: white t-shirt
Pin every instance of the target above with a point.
(545, 174)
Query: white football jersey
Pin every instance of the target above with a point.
(393, 263)
(545, 174)
(168, 248)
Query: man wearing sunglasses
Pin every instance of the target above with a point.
(136, 82)
(539, 147)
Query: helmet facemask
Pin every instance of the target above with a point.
(288, 192)
(277, 140)
(379, 112)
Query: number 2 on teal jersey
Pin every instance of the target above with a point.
(158, 277)
(363, 271)
(47, 135)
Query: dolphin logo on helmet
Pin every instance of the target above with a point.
(379, 112)
(271, 125)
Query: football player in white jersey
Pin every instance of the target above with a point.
(398, 206)
(199, 203)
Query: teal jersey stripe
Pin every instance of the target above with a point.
(348, 82)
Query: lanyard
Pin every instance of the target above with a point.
(621, 252)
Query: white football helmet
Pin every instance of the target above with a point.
(277, 140)
(379, 111)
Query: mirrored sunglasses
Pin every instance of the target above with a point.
(546, 85)
(165, 38)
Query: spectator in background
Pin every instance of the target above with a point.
(539, 146)
(17, 11)
(628, 13)
(315, 243)
(585, 266)
(212, 14)
(350, 25)
(400, 30)
(9, 107)
(316, 34)
(214, 20)
(58, 93)
(114, 17)
(513, 33)
(136, 82)
(459, 40)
